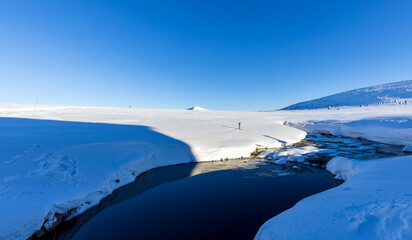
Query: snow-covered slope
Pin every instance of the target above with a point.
(58, 158)
(384, 93)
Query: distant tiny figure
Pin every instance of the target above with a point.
(239, 125)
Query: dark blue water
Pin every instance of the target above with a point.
(227, 204)
(230, 202)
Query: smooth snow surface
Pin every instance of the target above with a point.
(382, 94)
(58, 158)
(81, 154)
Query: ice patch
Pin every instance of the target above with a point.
(252, 165)
(298, 151)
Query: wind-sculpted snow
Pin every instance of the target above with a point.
(384, 93)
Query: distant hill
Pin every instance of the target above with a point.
(196, 108)
(383, 93)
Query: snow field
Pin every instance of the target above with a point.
(60, 158)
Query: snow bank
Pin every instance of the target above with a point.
(295, 154)
(386, 124)
(343, 168)
(81, 154)
(374, 203)
(54, 166)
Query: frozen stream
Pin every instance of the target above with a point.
(217, 200)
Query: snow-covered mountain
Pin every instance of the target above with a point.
(383, 93)
(197, 108)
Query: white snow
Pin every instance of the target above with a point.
(50, 166)
(374, 203)
(58, 158)
(295, 154)
(196, 108)
(343, 168)
(379, 94)
(386, 124)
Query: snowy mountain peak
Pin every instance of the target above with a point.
(196, 108)
(378, 94)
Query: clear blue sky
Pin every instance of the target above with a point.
(222, 55)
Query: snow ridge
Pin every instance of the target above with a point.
(378, 94)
